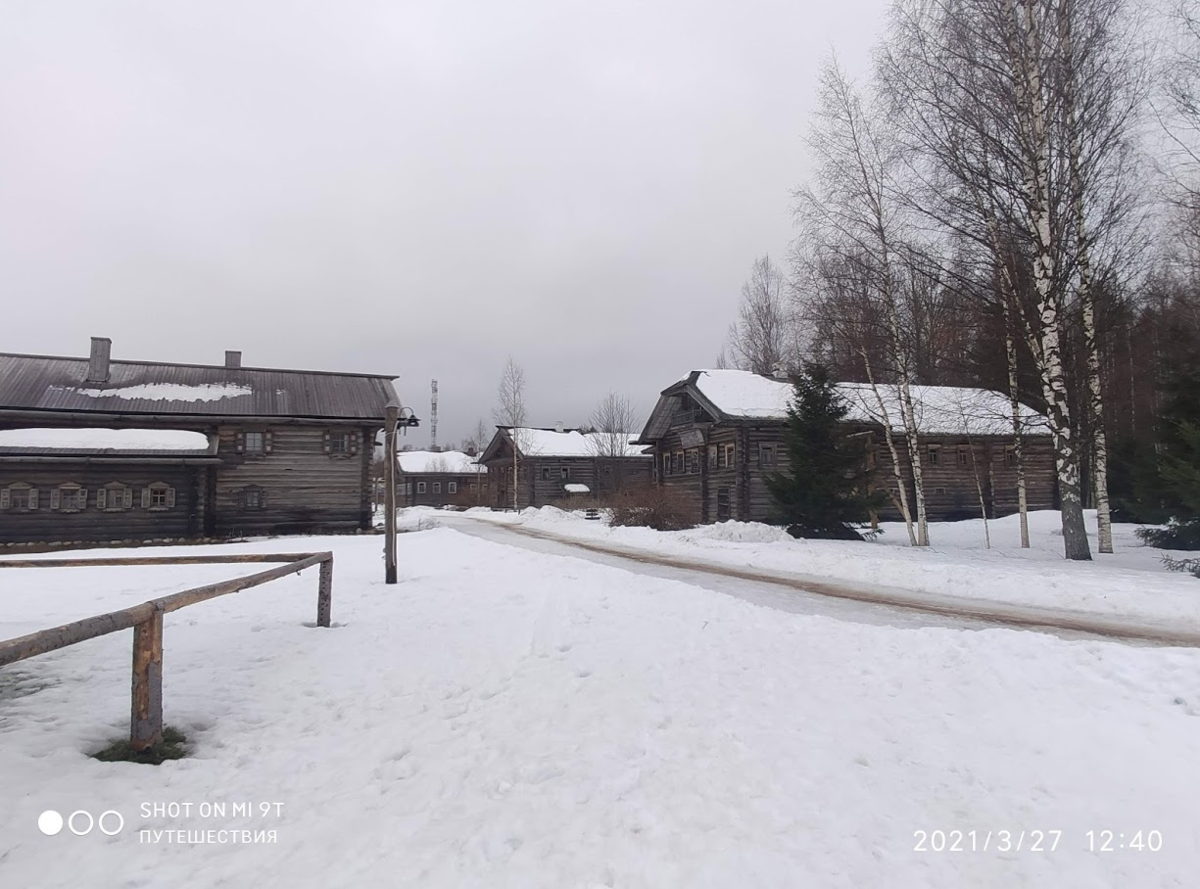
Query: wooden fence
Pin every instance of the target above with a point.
(146, 720)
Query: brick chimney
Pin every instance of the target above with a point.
(558, 427)
(98, 361)
(233, 359)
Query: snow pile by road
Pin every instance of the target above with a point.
(1131, 583)
(508, 719)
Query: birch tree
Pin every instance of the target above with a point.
(854, 204)
(510, 411)
(614, 423)
(759, 340)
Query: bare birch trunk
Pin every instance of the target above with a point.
(1010, 349)
(901, 485)
(1087, 300)
(1049, 303)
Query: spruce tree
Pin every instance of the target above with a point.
(1178, 477)
(824, 492)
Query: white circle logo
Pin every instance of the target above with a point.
(91, 822)
(120, 823)
(50, 822)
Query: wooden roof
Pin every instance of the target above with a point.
(50, 383)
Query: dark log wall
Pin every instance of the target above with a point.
(683, 472)
(472, 489)
(950, 479)
(533, 489)
(91, 524)
(950, 491)
(302, 487)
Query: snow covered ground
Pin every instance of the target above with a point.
(1130, 583)
(503, 718)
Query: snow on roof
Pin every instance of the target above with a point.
(939, 410)
(86, 439)
(437, 461)
(171, 392)
(575, 488)
(573, 443)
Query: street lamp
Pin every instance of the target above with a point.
(395, 417)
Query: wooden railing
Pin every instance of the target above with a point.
(146, 719)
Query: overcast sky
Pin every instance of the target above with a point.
(412, 188)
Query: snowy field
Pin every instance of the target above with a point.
(1131, 582)
(504, 718)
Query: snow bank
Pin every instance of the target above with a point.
(508, 719)
(105, 439)
(1132, 583)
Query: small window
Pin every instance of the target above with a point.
(564, 473)
(339, 443)
(19, 496)
(452, 487)
(158, 496)
(712, 456)
(693, 460)
(939, 492)
(1010, 455)
(253, 499)
(963, 456)
(666, 464)
(437, 487)
(934, 454)
(766, 455)
(545, 473)
(420, 487)
(114, 497)
(255, 443)
(729, 455)
(68, 498)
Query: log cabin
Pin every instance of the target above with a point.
(440, 478)
(717, 435)
(563, 467)
(97, 450)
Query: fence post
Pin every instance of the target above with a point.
(146, 722)
(325, 592)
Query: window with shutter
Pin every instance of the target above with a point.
(170, 498)
(129, 498)
(240, 440)
(54, 498)
(101, 498)
(325, 445)
(145, 498)
(33, 498)
(4, 498)
(268, 442)
(353, 442)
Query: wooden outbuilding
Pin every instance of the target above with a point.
(271, 451)
(717, 434)
(440, 478)
(555, 465)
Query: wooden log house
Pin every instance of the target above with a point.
(98, 450)
(717, 434)
(563, 467)
(440, 478)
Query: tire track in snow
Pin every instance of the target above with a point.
(982, 611)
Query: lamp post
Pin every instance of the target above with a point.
(392, 414)
(395, 417)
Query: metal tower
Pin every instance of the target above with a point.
(433, 419)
